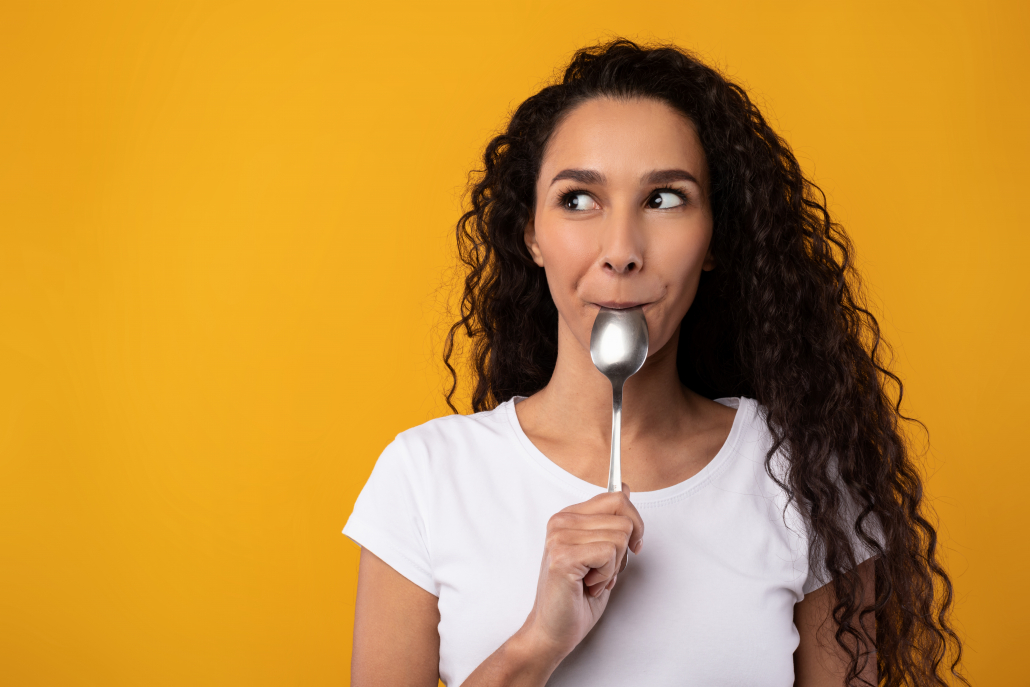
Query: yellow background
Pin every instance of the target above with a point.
(225, 236)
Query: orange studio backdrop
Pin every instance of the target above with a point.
(225, 254)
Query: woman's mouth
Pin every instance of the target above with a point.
(620, 305)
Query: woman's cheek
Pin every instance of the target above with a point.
(566, 262)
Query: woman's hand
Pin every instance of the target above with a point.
(586, 548)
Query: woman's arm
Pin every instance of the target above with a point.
(819, 661)
(396, 641)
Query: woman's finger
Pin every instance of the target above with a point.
(593, 562)
(593, 521)
(614, 503)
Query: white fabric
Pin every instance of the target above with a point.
(459, 506)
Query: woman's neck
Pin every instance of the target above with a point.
(579, 396)
(570, 420)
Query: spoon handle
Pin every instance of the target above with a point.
(615, 468)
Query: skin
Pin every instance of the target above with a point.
(622, 219)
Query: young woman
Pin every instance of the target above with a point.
(770, 530)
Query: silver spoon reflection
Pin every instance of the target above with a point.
(618, 347)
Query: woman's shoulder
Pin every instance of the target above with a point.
(449, 451)
(755, 411)
(453, 435)
(457, 426)
(752, 440)
(775, 481)
(750, 421)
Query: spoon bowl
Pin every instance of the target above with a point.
(618, 347)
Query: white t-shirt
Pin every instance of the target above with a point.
(460, 504)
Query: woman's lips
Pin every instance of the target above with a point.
(620, 305)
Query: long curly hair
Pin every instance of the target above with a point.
(781, 319)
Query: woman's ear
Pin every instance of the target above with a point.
(529, 236)
(709, 264)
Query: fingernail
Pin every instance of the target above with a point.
(639, 545)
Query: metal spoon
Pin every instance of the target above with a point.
(618, 347)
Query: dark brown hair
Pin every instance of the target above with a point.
(781, 319)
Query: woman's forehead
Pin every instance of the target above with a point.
(624, 138)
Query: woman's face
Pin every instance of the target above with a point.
(622, 215)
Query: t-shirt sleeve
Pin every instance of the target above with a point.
(389, 515)
(818, 576)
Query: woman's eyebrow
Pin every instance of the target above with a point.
(583, 176)
(660, 176)
(664, 176)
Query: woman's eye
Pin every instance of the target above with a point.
(579, 201)
(665, 199)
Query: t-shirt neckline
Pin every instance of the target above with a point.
(657, 496)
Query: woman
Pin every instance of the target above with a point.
(785, 541)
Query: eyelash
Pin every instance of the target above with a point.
(567, 195)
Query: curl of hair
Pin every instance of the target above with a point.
(781, 319)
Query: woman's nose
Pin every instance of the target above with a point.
(623, 250)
